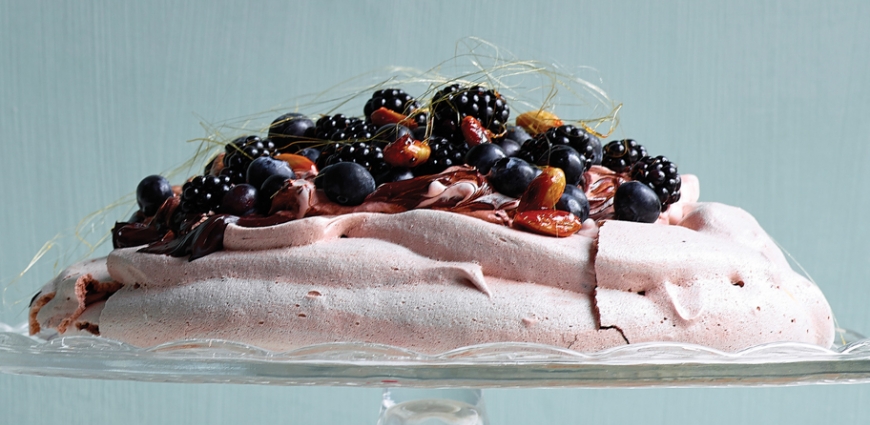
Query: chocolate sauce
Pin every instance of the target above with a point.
(209, 236)
(125, 235)
(265, 221)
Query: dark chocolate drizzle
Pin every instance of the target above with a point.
(209, 236)
(146, 230)
(256, 220)
(125, 235)
(410, 193)
(205, 239)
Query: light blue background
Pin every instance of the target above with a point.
(767, 102)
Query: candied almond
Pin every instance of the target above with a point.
(536, 122)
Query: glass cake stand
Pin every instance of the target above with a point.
(443, 388)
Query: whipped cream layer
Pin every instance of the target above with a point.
(432, 281)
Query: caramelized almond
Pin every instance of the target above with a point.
(474, 132)
(549, 222)
(298, 163)
(538, 121)
(406, 152)
(384, 116)
(544, 191)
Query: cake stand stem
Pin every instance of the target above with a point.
(411, 406)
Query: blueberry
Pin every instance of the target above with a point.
(511, 176)
(345, 183)
(151, 193)
(566, 158)
(394, 174)
(392, 132)
(510, 146)
(575, 202)
(310, 153)
(517, 134)
(483, 156)
(264, 167)
(635, 201)
(289, 128)
(240, 200)
(267, 190)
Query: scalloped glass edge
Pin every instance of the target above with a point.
(500, 365)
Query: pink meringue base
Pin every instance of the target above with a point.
(432, 281)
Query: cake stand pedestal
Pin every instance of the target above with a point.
(409, 406)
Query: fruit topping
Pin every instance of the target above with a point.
(241, 152)
(151, 192)
(510, 146)
(549, 222)
(483, 156)
(574, 201)
(311, 153)
(267, 190)
(368, 154)
(289, 129)
(383, 116)
(395, 157)
(511, 176)
(298, 163)
(536, 122)
(264, 167)
(392, 132)
(635, 201)
(517, 134)
(340, 127)
(240, 200)
(620, 155)
(345, 183)
(582, 141)
(544, 190)
(443, 154)
(453, 103)
(661, 176)
(406, 152)
(204, 194)
(398, 101)
(566, 158)
(474, 133)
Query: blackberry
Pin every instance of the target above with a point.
(453, 103)
(368, 154)
(395, 100)
(339, 127)
(241, 152)
(360, 130)
(329, 124)
(204, 193)
(326, 151)
(661, 175)
(620, 155)
(583, 142)
(444, 154)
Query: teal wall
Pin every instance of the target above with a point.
(767, 102)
